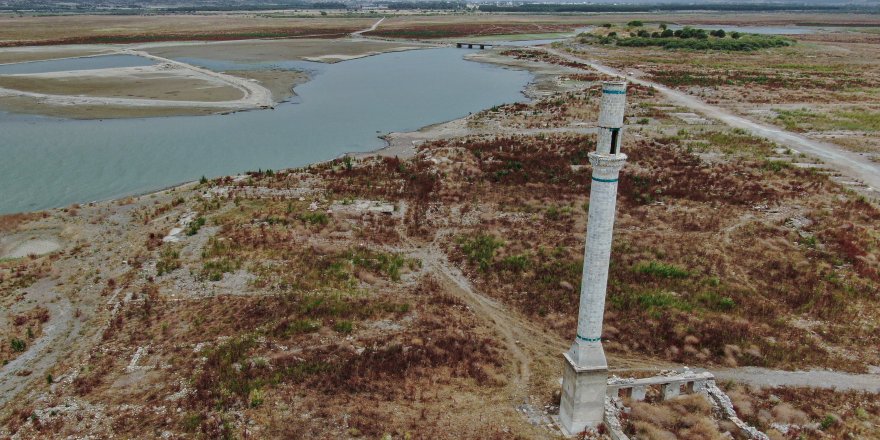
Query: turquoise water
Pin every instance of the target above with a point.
(86, 63)
(49, 162)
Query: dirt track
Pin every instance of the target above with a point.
(846, 162)
(764, 377)
(254, 95)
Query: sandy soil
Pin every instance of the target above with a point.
(251, 93)
(279, 82)
(152, 82)
(273, 50)
(22, 245)
(24, 54)
(33, 106)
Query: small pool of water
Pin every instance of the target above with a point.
(85, 63)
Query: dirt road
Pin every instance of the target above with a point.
(764, 377)
(511, 332)
(360, 33)
(845, 162)
(61, 330)
(254, 95)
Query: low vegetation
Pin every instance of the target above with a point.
(291, 308)
(686, 38)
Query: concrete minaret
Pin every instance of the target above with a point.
(586, 371)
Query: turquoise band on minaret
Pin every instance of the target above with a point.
(614, 92)
(588, 339)
(604, 180)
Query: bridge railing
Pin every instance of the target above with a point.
(669, 386)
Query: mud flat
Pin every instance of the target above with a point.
(545, 82)
(152, 82)
(280, 82)
(32, 106)
(41, 53)
(252, 51)
(25, 244)
(167, 84)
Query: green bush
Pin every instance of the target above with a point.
(480, 249)
(213, 270)
(343, 327)
(18, 345)
(255, 397)
(315, 218)
(661, 300)
(698, 39)
(195, 225)
(515, 263)
(386, 263)
(714, 301)
(662, 270)
(169, 260)
(296, 327)
(827, 422)
(776, 165)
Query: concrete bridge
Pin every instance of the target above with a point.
(670, 386)
(472, 45)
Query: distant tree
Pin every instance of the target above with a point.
(735, 35)
(635, 23)
(655, 34)
(606, 25)
(678, 33)
(643, 33)
(667, 33)
(663, 26)
(612, 34)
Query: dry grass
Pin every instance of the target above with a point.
(139, 85)
(820, 85)
(43, 30)
(808, 413)
(10, 222)
(22, 331)
(274, 317)
(687, 417)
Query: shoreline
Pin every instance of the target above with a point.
(21, 102)
(393, 140)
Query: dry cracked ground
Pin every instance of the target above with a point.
(432, 295)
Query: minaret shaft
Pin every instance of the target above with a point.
(584, 381)
(586, 352)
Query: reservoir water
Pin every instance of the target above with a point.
(84, 63)
(49, 162)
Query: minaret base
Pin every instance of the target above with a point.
(583, 397)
